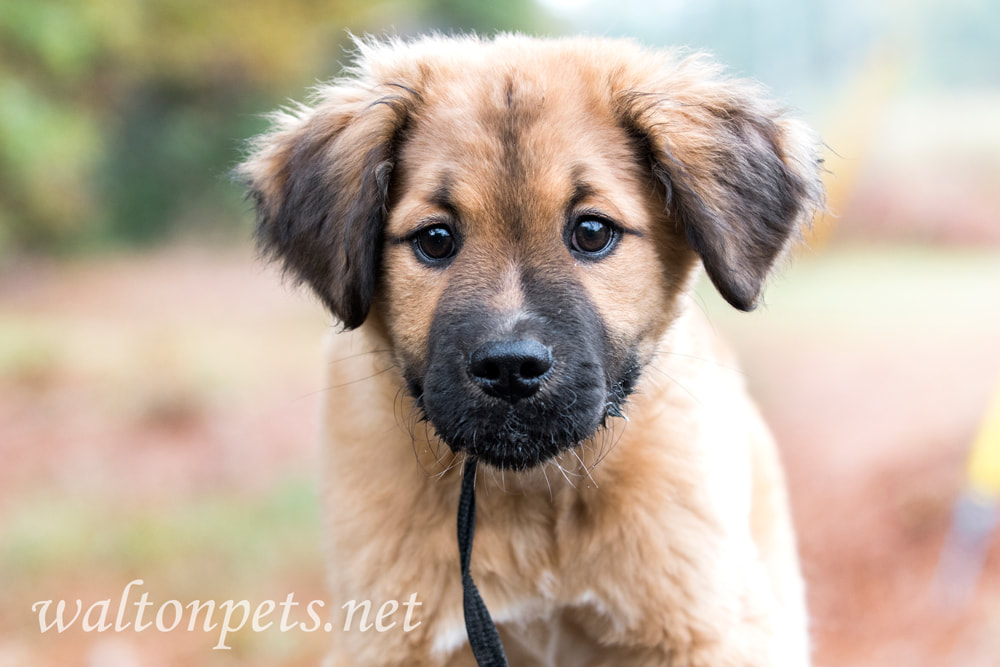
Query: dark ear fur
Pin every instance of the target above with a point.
(740, 178)
(320, 183)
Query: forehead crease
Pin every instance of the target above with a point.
(508, 113)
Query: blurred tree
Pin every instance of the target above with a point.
(120, 118)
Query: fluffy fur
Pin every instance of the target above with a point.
(661, 540)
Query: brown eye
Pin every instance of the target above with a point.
(434, 244)
(593, 237)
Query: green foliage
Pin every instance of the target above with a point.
(220, 529)
(119, 119)
(485, 17)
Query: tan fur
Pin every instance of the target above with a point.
(662, 541)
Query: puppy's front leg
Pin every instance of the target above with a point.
(675, 577)
(685, 612)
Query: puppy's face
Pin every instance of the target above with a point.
(522, 218)
(526, 257)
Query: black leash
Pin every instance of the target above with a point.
(483, 635)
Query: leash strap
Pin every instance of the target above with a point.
(483, 636)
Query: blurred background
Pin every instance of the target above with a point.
(159, 386)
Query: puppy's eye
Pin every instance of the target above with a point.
(435, 244)
(593, 237)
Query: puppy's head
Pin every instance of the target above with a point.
(522, 216)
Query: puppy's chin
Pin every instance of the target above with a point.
(515, 451)
(513, 437)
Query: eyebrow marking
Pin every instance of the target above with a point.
(442, 198)
(581, 188)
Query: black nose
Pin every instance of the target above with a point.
(511, 369)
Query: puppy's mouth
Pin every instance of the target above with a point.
(515, 403)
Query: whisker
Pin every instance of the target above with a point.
(493, 476)
(546, 476)
(585, 468)
(356, 356)
(568, 480)
(707, 360)
(459, 459)
(614, 444)
(367, 377)
(676, 382)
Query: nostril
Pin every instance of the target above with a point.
(489, 370)
(535, 367)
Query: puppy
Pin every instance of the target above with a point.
(511, 230)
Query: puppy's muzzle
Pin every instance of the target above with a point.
(514, 391)
(510, 369)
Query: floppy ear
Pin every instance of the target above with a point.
(740, 178)
(320, 183)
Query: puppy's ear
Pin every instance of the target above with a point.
(740, 178)
(320, 183)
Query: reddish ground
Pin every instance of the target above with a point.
(135, 388)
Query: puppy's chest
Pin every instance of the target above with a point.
(537, 575)
(549, 641)
(538, 632)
